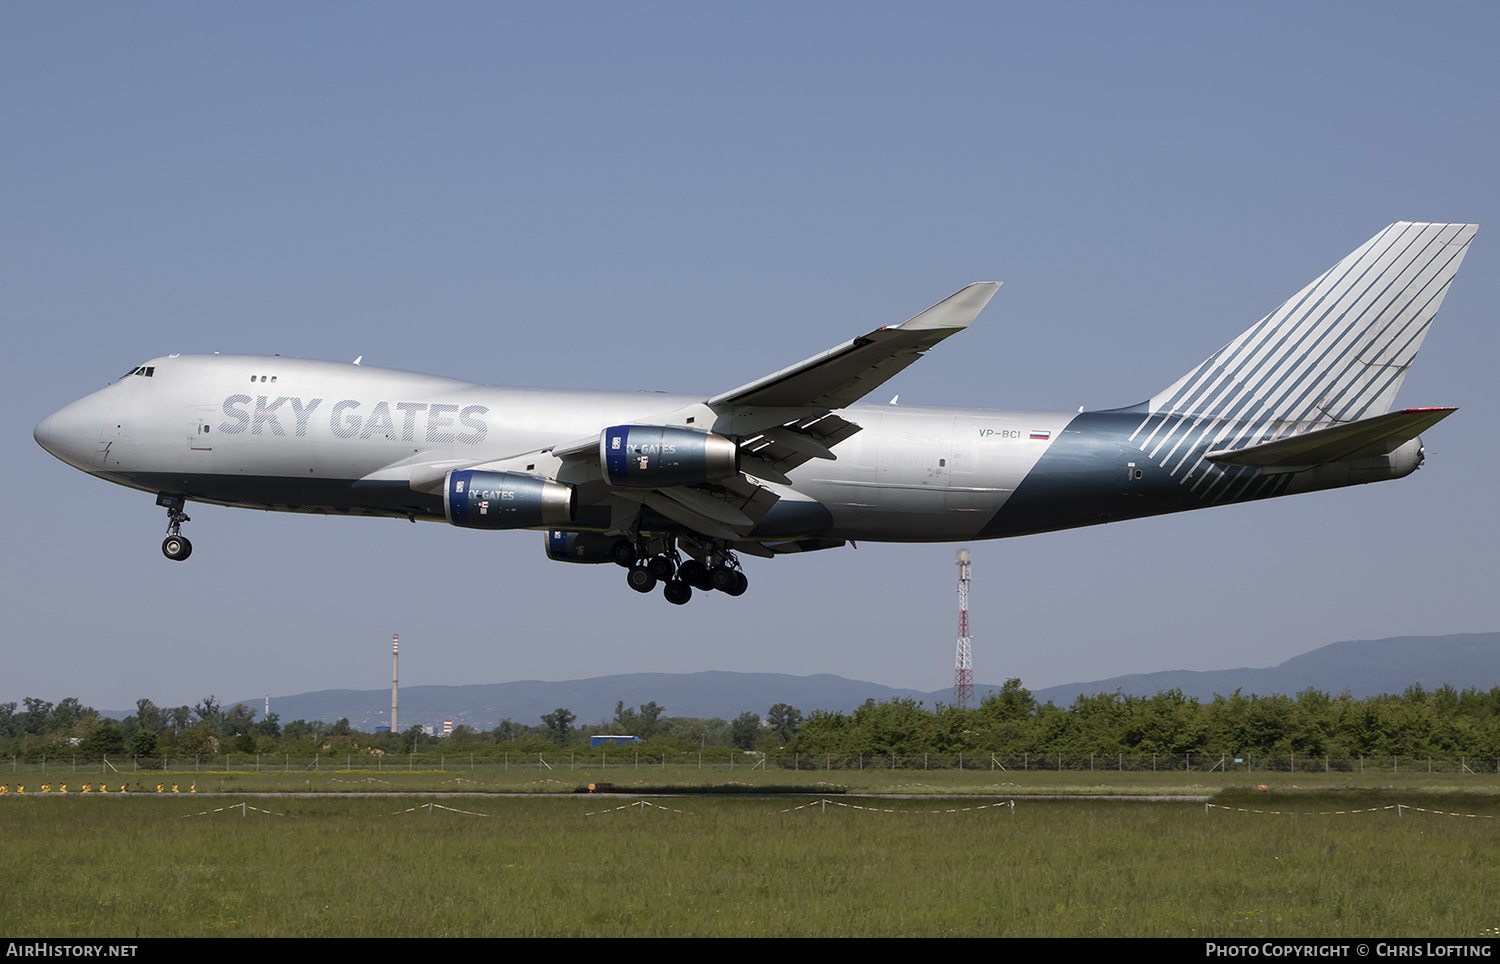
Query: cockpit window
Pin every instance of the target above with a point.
(146, 370)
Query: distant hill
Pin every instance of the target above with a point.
(1363, 667)
(484, 705)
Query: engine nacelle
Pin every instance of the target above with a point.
(649, 456)
(506, 500)
(588, 547)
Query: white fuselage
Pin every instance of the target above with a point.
(316, 436)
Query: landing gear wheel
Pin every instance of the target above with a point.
(740, 585)
(623, 553)
(721, 578)
(176, 548)
(640, 579)
(695, 574)
(677, 592)
(662, 567)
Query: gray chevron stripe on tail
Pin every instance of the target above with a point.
(1335, 352)
(1339, 348)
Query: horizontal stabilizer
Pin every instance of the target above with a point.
(1353, 440)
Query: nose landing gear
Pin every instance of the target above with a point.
(175, 546)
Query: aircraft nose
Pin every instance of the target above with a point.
(73, 432)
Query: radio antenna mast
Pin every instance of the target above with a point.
(963, 664)
(395, 650)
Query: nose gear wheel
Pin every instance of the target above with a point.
(175, 546)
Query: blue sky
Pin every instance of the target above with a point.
(685, 197)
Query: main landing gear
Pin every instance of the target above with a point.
(176, 545)
(719, 569)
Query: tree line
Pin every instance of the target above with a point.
(37, 729)
(1418, 722)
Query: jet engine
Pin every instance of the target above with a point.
(506, 500)
(589, 547)
(651, 456)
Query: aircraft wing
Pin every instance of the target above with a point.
(1352, 440)
(843, 375)
(784, 419)
(779, 422)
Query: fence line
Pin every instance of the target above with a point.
(728, 761)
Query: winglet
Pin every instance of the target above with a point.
(958, 310)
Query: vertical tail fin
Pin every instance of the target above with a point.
(1339, 349)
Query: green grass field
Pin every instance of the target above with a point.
(145, 865)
